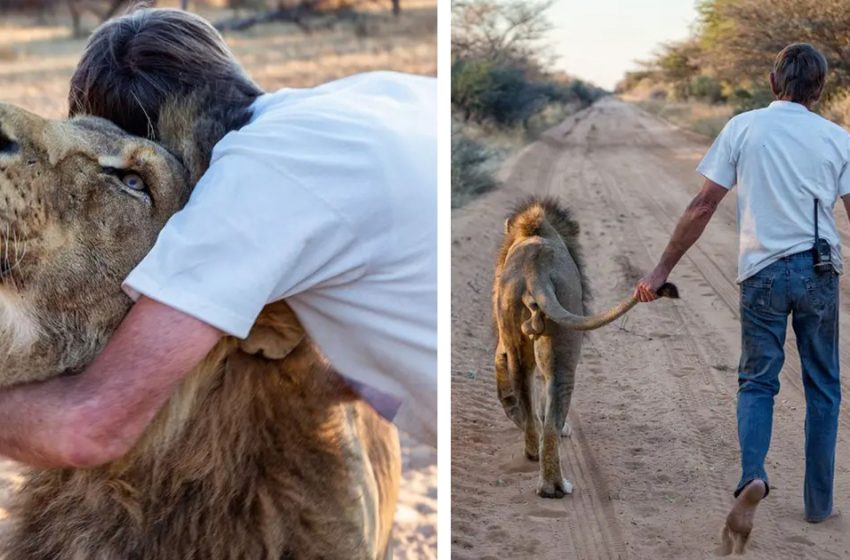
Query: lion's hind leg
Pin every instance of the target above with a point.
(506, 390)
(523, 375)
(540, 404)
(552, 483)
(558, 370)
(514, 379)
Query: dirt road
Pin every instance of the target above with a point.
(653, 455)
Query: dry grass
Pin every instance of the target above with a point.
(838, 109)
(702, 118)
(479, 150)
(37, 60)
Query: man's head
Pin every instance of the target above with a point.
(135, 64)
(799, 74)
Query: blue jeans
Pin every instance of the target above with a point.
(790, 286)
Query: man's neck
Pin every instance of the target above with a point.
(806, 105)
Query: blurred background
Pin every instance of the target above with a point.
(281, 43)
(721, 67)
(507, 87)
(284, 43)
(520, 67)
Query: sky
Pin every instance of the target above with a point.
(599, 40)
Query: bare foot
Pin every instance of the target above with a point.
(739, 522)
(835, 513)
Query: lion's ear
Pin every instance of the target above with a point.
(276, 333)
(507, 225)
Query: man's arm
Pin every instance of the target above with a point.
(688, 230)
(95, 417)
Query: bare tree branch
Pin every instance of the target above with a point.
(501, 31)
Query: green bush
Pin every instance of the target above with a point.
(471, 169)
(487, 92)
(584, 93)
(748, 99)
(506, 96)
(708, 89)
(514, 99)
(471, 83)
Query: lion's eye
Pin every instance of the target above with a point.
(133, 181)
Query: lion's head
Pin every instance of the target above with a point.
(81, 203)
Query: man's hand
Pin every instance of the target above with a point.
(646, 289)
(95, 417)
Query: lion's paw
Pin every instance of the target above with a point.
(567, 431)
(554, 489)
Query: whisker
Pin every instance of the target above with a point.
(19, 256)
(6, 234)
(6, 245)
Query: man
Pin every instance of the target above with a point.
(324, 196)
(789, 164)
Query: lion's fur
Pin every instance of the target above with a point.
(262, 452)
(527, 219)
(540, 241)
(540, 296)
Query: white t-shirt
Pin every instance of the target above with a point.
(327, 198)
(781, 157)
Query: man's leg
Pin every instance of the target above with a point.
(816, 326)
(764, 317)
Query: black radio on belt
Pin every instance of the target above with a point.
(822, 252)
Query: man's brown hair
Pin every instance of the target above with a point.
(799, 73)
(134, 64)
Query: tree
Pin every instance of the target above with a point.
(102, 10)
(741, 38)
(677, 64)
(500, 31)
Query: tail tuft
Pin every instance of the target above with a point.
(668, 290)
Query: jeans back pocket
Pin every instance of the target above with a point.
(755, 292)
(822, 289)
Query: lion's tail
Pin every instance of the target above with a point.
(543, 301)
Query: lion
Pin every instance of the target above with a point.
(540, 294)
(262, 452)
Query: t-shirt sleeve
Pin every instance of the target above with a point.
(720, 163)
(248, 235)
(844, 177)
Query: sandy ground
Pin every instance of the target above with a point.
(36, 63)
(415, 530)
(654, 453)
